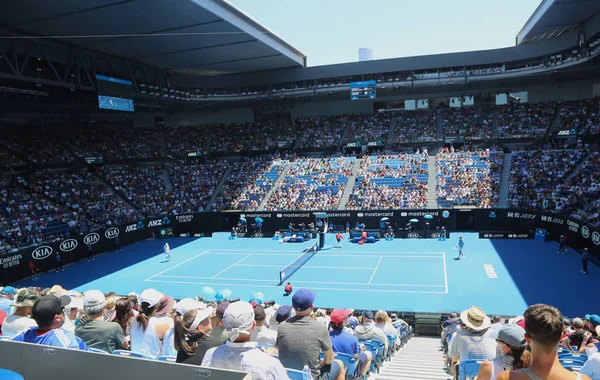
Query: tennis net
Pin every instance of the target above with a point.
(289, 270)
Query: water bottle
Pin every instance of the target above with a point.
(306, 373)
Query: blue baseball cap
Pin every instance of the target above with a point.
(283, 313)
(593, 318)
(9, 290)
(367, 314)
(352, 322)
(303, 299)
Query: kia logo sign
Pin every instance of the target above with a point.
(68, 245)
(413, 235)
(41, 253)
(92, 238)
(585, 232)
(112, 233)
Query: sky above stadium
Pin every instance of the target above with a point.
(332, 31)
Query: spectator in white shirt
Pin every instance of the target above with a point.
(261, 334)
(592, 367)
(20, 320)
(239, 353)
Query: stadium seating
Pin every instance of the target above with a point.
(193, 186)
(390, 181)
(469, 178)
(312, 184)
(525, 120)
(415, 126)
(472, 122)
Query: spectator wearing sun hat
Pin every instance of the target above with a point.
(474, 341)
(95, 331)
(238, 352)
(20, 320)
(345, 342)
(192, 325)
(512, 353)
(147, 330)
(301, 339)
(48, 313)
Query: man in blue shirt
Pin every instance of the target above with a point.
(460, 246)
(49, 314)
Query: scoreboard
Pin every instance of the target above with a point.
(363, 90)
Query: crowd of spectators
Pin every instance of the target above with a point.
(415, 126)
(525, 120)
(472, 122)
(10, 162)
(581, 115)
(26, 214)
(365, 129)
(469, 178)
(85, 197)
(537, 178)
(312, 184)
(39, 146)
(261, 337)
(389, 181)
(182, 140)
(142, 186)
(320, 132)
(194, 185)
(584, 192)
(249, 182)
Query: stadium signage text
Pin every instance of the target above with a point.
(265, 215)
(112, 233)
(573, 226)
(68, 245)
(91, 239)
(184, 218)
(41, 253)
(159, 222)
(10, 261)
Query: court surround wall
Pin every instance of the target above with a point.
(14, 266)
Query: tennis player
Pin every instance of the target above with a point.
(339, 238)
(167, 250)
(460, 246)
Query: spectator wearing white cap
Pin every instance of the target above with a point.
(148, 331)
(474, 341)
(20, 321)
(95, 331)
(238, 352)
(512, 353)
(71, 313)
(192, 325)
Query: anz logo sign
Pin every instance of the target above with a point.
(91, 239)
(112, 233)
(68, 245)
(41, 253)
(159, 222)
(134, 227)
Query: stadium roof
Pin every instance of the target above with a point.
(552, 18)
(209, 37)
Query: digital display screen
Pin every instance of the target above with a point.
(114, 80)
(115, 104)
(363, 90)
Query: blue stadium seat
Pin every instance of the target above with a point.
(294, 374)
(467, 369)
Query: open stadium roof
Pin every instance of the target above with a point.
(193, 37)
(552, 18)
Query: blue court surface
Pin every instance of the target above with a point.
(501, 276)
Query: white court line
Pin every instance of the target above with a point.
(445, 273)
(176, 265)
(438, 256)
(305, 282)
(297, 252)
(312, 288)
(375, 271)
(304, 266)
(231, 266)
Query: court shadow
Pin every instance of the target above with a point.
(84, 271)
(544, 276)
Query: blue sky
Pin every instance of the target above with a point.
(331, 31)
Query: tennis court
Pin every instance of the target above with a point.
(406, 275)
